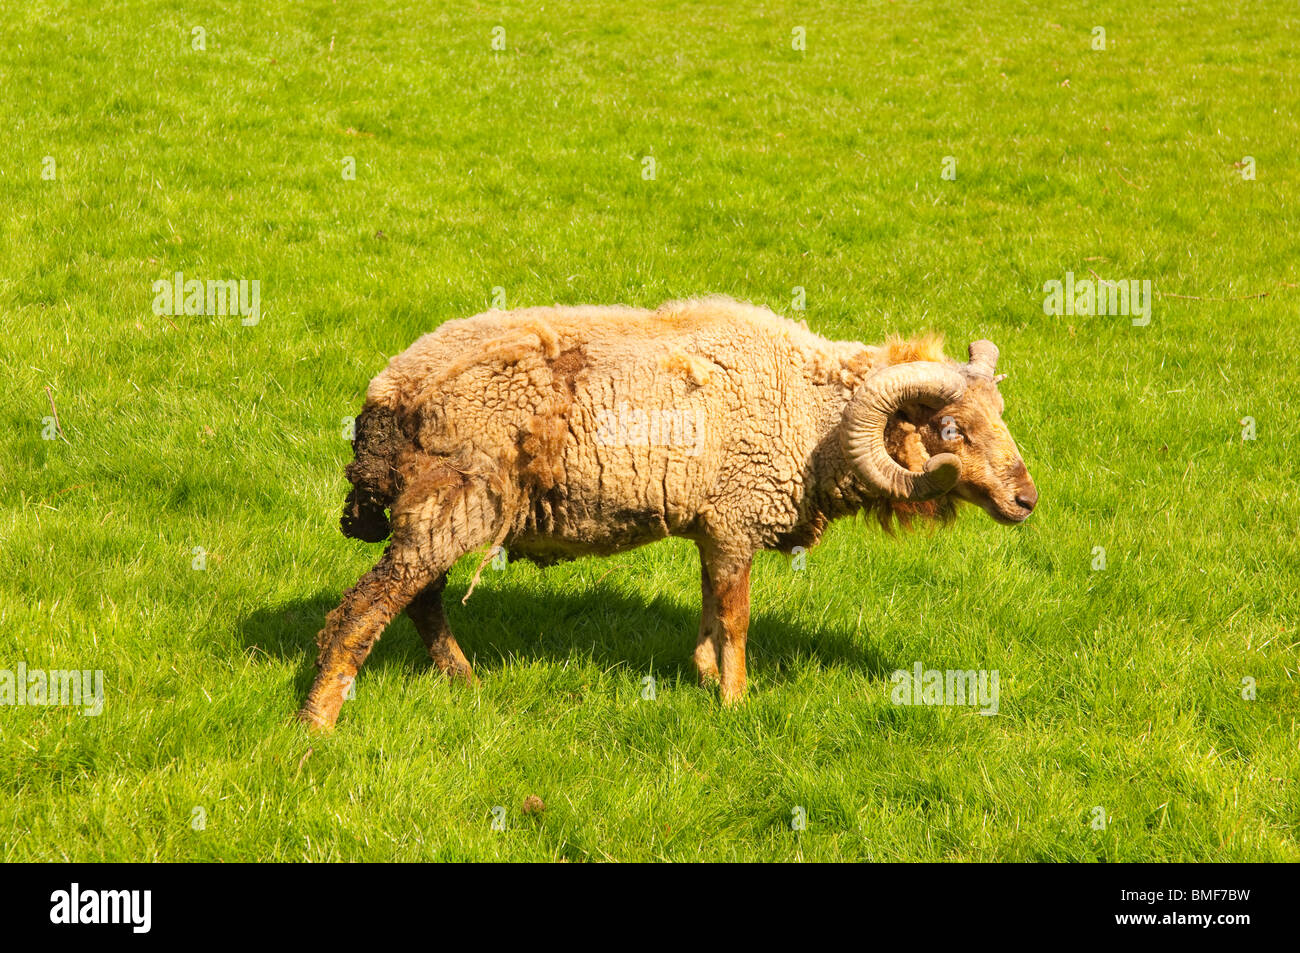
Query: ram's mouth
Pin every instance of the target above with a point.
(1013, 516)
(1011, 513)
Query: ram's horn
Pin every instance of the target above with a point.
(983, 358)
(862, 431)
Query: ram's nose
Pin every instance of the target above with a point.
(1027, 498)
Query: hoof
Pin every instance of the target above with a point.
(459, 673)
(321, 709)
(315, 722)
(731, 697)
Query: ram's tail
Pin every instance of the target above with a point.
(376, 443)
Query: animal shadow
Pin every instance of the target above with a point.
(504, 623)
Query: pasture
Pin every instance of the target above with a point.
(870, 168)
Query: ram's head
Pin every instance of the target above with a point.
(919, 430)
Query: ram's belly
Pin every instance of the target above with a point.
(611, 498)
(574, 541)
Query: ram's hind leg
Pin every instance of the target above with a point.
(431, 622)
(441, 515)
(352, 629)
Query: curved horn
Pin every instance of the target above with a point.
(983, 357)
(862, 431)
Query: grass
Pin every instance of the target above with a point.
(774, 169)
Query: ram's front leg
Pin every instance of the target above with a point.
(728, 577)
(706, 646)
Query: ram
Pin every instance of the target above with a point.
(566, 432)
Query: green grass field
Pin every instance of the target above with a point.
(524, 170)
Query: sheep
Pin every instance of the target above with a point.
(536, 429)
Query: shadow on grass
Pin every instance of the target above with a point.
(504, 622)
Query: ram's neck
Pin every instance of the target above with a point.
(845, 494)
(833, 487)
(837, 489)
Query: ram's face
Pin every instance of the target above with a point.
(924, 429)
(993, 474)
